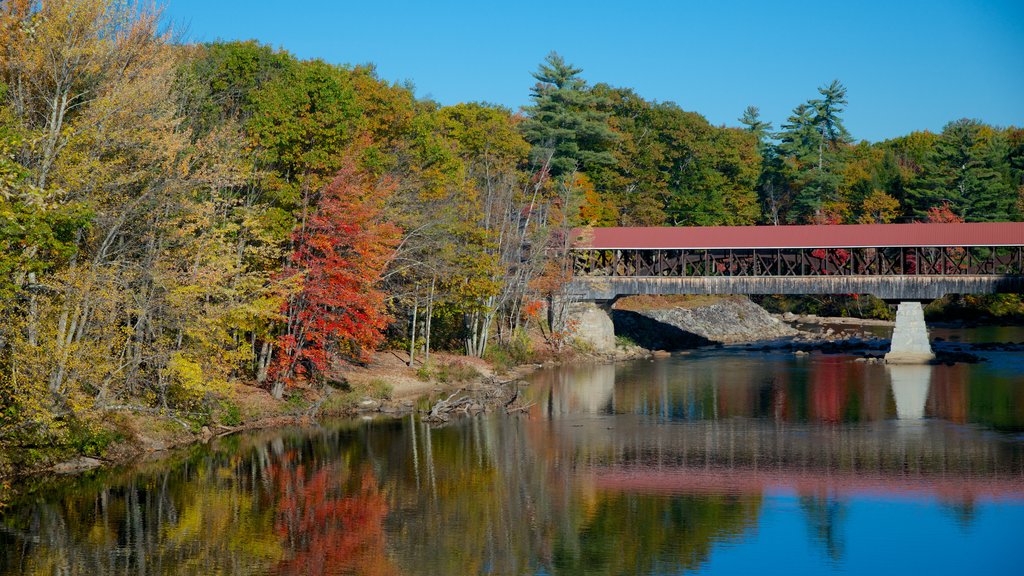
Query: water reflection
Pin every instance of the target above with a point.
(710, 464)
(910, 389)
(822, 389)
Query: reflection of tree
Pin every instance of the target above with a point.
(824, 517)
(188, 517)
(997, 402)
(635, 534)
(328, 529)
(829, 390)
(284, 505)
(964, 512)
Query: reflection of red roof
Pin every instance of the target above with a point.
(838, 236)
(684, 480)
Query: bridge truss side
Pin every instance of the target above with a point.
(897, 273)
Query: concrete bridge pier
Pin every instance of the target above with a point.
(910, 337)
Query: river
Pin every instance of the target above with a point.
(720, 461)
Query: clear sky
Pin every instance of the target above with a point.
(908, 65)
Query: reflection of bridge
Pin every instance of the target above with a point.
(742, 455)
(688, 480)
(649, 451)
(893, 261)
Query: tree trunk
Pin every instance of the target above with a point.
(430, 315)
(412, 336)
(263, 362)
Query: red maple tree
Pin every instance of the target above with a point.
(943, 214)
(338, 258)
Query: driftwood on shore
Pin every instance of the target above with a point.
(488, 396)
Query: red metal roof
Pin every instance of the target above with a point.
(837, 236)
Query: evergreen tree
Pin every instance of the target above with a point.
(566, 123)
(812, 142)
(969, 169)
(772, 186)
(752, 120)
(827, 110)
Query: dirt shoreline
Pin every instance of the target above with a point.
(155, 436)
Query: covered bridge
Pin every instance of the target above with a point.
(902, 262)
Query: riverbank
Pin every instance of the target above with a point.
(386, 386)
(447, 384)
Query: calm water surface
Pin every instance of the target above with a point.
(717, 462)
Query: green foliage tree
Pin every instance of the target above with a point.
(674, 166)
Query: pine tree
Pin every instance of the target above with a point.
(752, 120)
(813, 142)
(566, 123)
(969, 169)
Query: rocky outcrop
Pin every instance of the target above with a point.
(727, 320)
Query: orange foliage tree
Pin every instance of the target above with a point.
(339, 255)
(943, 214)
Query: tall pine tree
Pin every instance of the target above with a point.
(565, 124)
(812, 142)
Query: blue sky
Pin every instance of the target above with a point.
(908, 65)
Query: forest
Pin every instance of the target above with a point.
(176, 217)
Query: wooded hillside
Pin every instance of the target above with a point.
(175, 216)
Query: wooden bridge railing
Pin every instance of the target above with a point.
(802, 262)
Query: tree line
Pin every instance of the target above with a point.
(177, 216)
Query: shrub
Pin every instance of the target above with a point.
(230, 413)
(423, 373)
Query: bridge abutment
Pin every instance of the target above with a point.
(593, 325)
(910, 337)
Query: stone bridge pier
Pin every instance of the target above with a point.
(910, 343)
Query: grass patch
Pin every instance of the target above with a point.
(344, 402)
(456, 373)
(379, 389)
(623, 341)
(581, 346)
